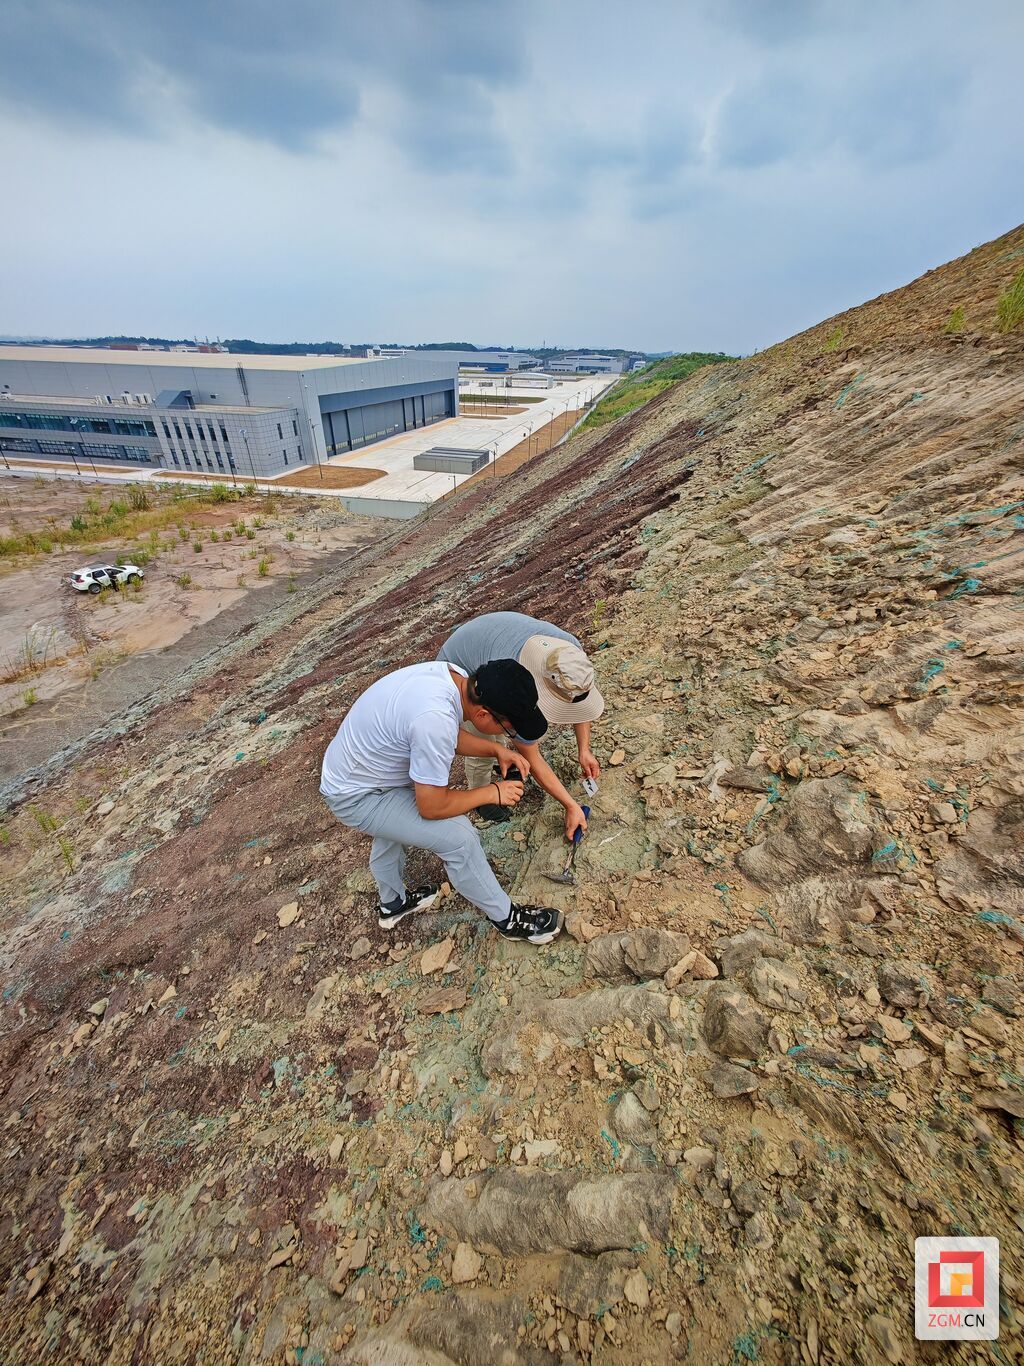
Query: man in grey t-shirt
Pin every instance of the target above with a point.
(566, 694)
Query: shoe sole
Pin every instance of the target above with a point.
(389, 922)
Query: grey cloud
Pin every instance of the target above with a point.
(284, 73)
(774, 23)
(890, 115)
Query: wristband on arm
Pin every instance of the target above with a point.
(497, 790)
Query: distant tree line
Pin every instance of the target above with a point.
(245, 346)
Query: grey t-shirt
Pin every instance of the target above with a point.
(497, 635)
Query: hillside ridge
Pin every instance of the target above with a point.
(782, 1037)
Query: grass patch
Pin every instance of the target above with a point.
(636, 389)
(37, 651)
(129, 515)
(1010, 308)
(955, 321)
(834, 340)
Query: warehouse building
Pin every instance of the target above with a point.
(472, 362)
(587, 365)
(212, 413)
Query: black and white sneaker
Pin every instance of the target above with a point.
(419, 900)
(533, 924)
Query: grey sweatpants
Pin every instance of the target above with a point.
(391, 817)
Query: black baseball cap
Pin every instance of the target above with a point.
(507, 689)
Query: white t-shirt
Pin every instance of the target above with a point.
(402, 730)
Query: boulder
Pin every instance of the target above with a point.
(733, 1026)
(727, 1080)
(533, 1211)
(440, 1329)
(466, 1264)
(900, 985)
(826, 827)
(540, 1024)
(591, 1285)
(632, 1123)
(635, 954)
(695, 965)
(742, 951)
(777, 987)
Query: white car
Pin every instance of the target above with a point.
(92, 578)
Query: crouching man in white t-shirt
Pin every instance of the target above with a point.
(386, 773)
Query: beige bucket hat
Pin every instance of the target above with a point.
(562, 672)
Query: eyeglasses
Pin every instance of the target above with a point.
(494, 717)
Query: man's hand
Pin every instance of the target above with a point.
(588, 763)
(509, 793)
(574, 820)
(511, 758)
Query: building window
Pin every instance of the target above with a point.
(295, 427)
(284, 455)
(280, 434)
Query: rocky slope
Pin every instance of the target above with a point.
(242, 1124)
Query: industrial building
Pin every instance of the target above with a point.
(213, 413)
(593, 365)
(492, 362)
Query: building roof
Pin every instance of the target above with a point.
(195, 360)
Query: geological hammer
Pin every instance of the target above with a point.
(568, 875)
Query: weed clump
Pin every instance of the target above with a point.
(1010, 308)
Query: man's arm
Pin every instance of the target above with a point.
(591, 768)
(548, 779)
(477, 747)
(437, 803)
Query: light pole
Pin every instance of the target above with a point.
(312, 431)
(245, 438)
(73, 424)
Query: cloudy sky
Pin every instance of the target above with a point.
(666, 174)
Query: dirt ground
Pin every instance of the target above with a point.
(782, 1037)
(54, 639)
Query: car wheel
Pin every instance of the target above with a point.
(94, 588)
(134, 578)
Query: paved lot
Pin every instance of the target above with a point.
(395, 456)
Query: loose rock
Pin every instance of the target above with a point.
(733, 1025)
(466, 1264)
